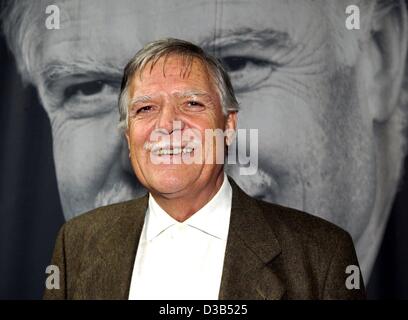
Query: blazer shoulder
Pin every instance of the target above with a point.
(289, 222)
(292, 224)
(102, 218)
(324, 248)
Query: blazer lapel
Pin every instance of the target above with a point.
(251, 248)
(110, 275)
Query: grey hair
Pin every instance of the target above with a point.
(17, 19)
(163, 48)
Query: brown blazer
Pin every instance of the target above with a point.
(272, 252)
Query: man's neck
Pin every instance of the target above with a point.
(183, 207)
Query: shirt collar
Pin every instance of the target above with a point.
(212, 219)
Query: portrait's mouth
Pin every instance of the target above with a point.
(121, 190)
(262, 186)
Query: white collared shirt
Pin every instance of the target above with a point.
(182, 260)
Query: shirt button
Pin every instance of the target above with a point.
(180, 230)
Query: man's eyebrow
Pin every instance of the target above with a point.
(263, 38)
(190, 93)
(179, 94)
(59, 69)
(140, 99)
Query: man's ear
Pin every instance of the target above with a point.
(230, 127)
(127, 138)
(383, 60)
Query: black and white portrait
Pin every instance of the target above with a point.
(329, 102)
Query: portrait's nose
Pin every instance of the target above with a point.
(169, 121)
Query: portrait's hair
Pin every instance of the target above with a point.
(154, 51)
(18, 19)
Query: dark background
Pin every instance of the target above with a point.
(30, 211)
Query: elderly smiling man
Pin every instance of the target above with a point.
(196, 234)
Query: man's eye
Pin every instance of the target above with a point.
(194, 104)
(248, 73)
(85, 88)
(144, 109)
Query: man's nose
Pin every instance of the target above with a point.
(169, 120)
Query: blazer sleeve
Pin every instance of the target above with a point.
(338, 277)
(58, 260)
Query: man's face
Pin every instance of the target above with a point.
(315, 136)
(172, 106)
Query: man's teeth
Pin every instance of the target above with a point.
(174, 151)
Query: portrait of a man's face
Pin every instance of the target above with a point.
(326, 100)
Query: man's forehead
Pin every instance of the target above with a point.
(173, 64)
(179, 72)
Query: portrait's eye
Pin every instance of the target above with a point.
(247, 72)
(86, 88)
(86, 98)
(235, 63)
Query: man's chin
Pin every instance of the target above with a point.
(169, 186)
